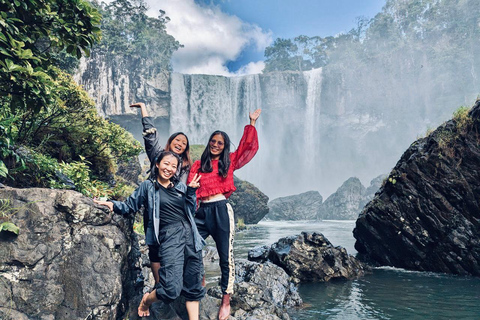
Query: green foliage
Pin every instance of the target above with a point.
(196, 151)
(241, 224)
(127, 31)
(138, 225)
(30, 32)
(6, 213)
(462, 119)
(65, 131)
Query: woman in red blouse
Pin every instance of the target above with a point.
(215, 216)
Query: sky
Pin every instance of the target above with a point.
(229, 37)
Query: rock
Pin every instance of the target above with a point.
(302, 206)
(345, 202)
(426, 216)
(310, 257)
(70, 260)
(248, 202)
(261, 291)
(369, 193)
(130, 170)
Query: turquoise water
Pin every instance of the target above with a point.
(386, 293)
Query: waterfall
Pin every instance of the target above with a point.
(314, 89)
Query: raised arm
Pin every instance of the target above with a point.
(150, 136)
(142, 107)
(248, 146)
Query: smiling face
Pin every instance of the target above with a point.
(216, 144)
(178, 144)
(167, 166)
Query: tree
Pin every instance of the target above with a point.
(128, 31)
(31, 32)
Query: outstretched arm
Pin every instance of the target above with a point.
(150, 137)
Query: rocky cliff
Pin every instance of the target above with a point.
(349, 199)
(427, 215)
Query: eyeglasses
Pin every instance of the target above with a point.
(213, 142)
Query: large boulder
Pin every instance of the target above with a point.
(261, 291)
(302, 206)
(248, 202)
(310, 257)
(427, 215)
(70, 260)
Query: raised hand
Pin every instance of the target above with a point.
(254, 116)
(195, 181)
(138, 105)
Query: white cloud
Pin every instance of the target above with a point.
(211, 38)
(251, 68)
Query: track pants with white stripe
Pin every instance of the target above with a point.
(217, 219)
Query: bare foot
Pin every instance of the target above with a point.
(143, 309)
(224, 311)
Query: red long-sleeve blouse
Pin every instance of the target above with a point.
(212, 183)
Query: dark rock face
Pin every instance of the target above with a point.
(71, 260)
(302, 206)
(427, 216)
(248, 202)
(310, 257)
(344, 203)
(130, 170)
(369, 193)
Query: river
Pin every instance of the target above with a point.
(386, 293)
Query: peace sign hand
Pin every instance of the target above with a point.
(195, 181)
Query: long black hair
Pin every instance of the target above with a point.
(223, 161)
(162, 155)
(185, 156)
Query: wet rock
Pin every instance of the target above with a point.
(248, 202)
(310, 257)
(261, 291)
(302, 206)
(426, 216)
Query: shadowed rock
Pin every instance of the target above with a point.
(248, 202)
(310, 257)
(427, 215)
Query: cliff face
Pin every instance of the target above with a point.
(115, 83)
(427, 215)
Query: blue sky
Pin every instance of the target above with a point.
(228, 37)
(288, 19)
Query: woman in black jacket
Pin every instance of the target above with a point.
(169, 224)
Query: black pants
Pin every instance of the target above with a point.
(216, 219)
(181, 267)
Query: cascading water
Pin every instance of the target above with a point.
(314, 89)
(287, 128)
